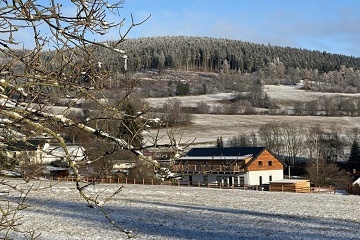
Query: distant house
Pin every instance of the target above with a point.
(356, 182)
(27, 151)
(38, 151)
(56, 153)
(235, 166)
(163, 156)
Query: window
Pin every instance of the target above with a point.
(242, 181)
(270, 163)
(219, 180)
(260, 180)
(260, 163)
(236, 181)
(205, 179)
(198, 166)
(270, 178)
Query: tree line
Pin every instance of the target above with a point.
(323, 156)
(209, 54)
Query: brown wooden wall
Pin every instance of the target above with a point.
(265, 157)
(208, 166)
(299, 187)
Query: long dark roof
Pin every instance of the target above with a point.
(231, 151)
(29, 145)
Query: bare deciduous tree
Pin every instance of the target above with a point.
(293, 136)
(58, 61)
(322, 173)
(270, 136)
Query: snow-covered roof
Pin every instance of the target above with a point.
(357, 181)
(290, 181)
(214, 158)
(225, 152)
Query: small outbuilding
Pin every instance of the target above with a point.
(290, 185)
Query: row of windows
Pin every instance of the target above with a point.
(260, 163)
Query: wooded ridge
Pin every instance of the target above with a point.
(209, 54)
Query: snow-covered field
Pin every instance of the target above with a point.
(171, 212)
(206, 128)
(278, 93)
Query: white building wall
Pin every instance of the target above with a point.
(53, 153)
(250, 178)
(254, 176)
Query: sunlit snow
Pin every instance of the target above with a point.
(172, 212)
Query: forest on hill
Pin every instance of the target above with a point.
(320, 71)
(209, 54)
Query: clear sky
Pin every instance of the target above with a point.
(326, 25)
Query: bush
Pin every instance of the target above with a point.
(353, 189)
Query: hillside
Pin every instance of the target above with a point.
(284, 96)
(208, 55)
(205, 128)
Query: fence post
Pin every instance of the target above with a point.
(125, 180)
(152, 181)
(143, 181)
(134, 181)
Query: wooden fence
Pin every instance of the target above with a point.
(144, 181)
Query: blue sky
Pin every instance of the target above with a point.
(326, 25)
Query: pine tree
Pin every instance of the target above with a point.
(354, 159)
(182, 88)
(219, 142)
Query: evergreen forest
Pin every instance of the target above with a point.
(320, 71)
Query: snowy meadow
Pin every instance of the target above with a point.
(172, 212)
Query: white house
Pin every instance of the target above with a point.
(57, 153)
(38, 151)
